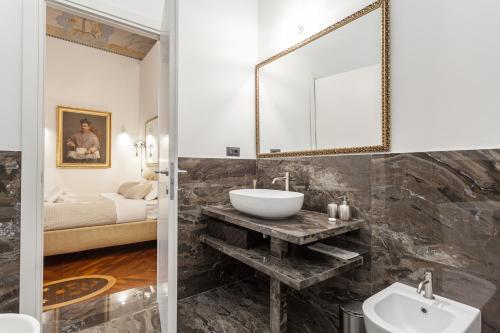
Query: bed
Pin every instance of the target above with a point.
(78, 223)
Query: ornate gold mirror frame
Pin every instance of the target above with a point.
(385, 146)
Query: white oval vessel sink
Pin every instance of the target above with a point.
(400, 309)
(267, 204)
(18, 323)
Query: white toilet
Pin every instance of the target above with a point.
(18, 323)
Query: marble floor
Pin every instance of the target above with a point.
(133, 310)
(239, 307)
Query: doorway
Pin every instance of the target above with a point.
(158, 154)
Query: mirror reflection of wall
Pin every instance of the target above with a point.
(326, 94)
(347, 109)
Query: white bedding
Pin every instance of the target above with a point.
(129, 210)
(76, 211)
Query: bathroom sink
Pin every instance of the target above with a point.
(267, 204)
(18, 323)
(400, 309)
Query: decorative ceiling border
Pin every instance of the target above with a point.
(92, 46)
(95, 34)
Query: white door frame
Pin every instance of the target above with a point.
(32, 146)
(172, 236)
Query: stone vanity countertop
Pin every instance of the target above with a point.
(304, 228)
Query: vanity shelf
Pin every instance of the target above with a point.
(297, 269)
(296, 272)
(304, 228)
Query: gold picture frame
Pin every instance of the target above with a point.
(151, 148)
(83, 138)
(386, 141)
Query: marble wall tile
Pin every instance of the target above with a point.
(441, 212)
(207, 182)
(10, 204)
(323, 180)
(436, 211)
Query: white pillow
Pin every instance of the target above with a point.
(53, 195)
(153, 194)
(138, 191)
(125, 187)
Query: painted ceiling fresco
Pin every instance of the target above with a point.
(94, 34)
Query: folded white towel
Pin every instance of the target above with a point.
(333, 251)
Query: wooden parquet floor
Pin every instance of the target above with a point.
(132, 265)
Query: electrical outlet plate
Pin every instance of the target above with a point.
(233, 151)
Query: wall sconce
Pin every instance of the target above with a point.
(139, 146)
(150, 150)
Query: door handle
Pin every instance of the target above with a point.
(163, 172)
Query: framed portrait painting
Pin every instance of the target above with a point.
(83, 138)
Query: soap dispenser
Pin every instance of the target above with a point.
(344, 210)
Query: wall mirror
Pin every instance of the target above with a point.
(151, 142)
(330, 93)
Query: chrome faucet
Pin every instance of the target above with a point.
(286, 177)
(426, 285)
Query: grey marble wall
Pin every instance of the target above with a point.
(207, 182)
(435, 211)
(440, 211)
(10, 203)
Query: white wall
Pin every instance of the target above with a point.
(217, 55)
(279, 20)
(88, 78)
(149, 79)
(446, 75)
(149, 76)
(444, 62)
(10, 77)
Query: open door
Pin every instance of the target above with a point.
(167, 187)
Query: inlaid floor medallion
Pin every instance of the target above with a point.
(72, 290)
